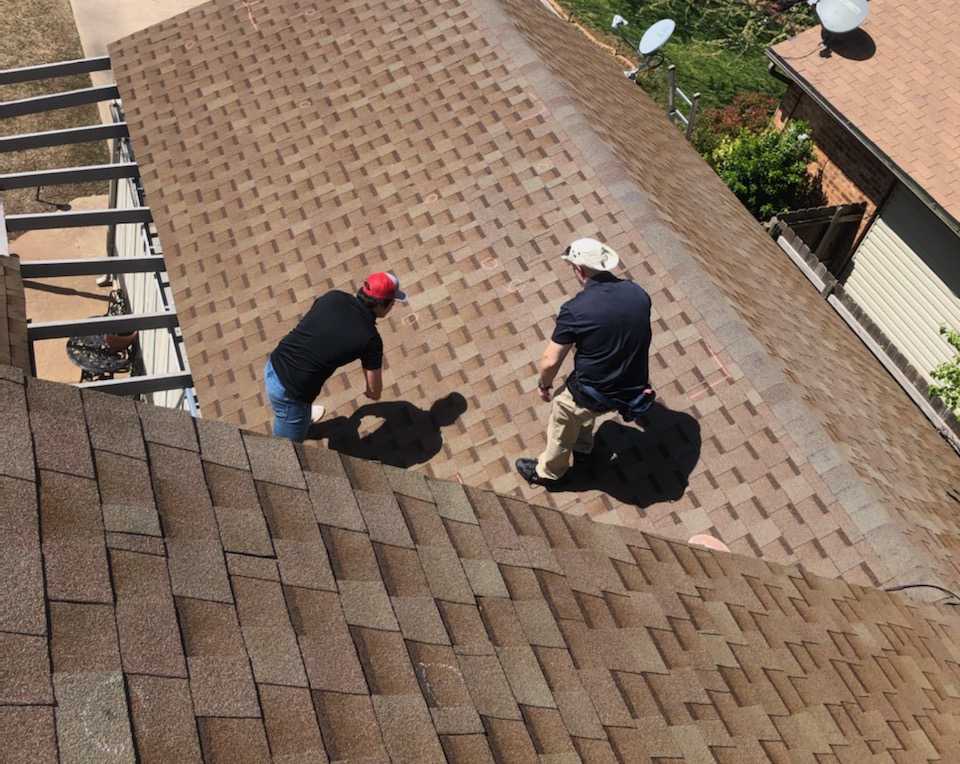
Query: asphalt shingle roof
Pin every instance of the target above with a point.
(234, 598)
(897, 80)
(287, 150)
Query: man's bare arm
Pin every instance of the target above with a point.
(374, 380)
(550, 362)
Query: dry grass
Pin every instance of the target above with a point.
(37, 32)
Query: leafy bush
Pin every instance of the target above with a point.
(947, 374)
(767, 170)
(748, 111)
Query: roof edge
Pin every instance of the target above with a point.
(807, 87)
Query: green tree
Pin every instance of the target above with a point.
(767, 170)
(947, 374)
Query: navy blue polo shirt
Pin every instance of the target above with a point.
(609, 322)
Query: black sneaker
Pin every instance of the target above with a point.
(528, 470)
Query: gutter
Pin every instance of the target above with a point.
(790, 76)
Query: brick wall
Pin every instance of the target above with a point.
(849, 172)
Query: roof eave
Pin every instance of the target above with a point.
(898, 172)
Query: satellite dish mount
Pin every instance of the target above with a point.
(649, 47)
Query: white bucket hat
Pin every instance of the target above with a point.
(590, 253)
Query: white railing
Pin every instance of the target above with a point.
(675, 94)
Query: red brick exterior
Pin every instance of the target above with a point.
(849, 171)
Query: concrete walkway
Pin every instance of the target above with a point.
(100, 22)
(63, 299)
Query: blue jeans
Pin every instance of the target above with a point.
(291, 419)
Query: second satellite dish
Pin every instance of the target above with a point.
(842, 16)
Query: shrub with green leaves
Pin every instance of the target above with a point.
(767, 170)
(751, 110)
(947, 374)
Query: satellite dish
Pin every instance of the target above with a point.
(842, 16)
(656, 37)
(618, 21)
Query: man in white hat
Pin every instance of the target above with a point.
(608, 322)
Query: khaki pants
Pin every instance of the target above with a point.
(570, 429)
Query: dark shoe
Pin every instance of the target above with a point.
(528, 470)
(582, 458)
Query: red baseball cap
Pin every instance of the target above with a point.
(383, 286)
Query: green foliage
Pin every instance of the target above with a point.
(767, 170)
(748, 111)
(947, 374)
(718, 46)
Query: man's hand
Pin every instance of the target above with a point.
(550, 363)
(374, 380)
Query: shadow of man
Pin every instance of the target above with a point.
(639, 466)
(407, 435)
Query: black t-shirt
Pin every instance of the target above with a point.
(337, 330)
(609, 322)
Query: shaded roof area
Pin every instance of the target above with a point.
(287, 149)
(897, 80)
(179, 590)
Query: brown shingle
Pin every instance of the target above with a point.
(365, 603)
(16, 459)
(296, 537)
(385, 662)
(28, 734)
(197, 567)
(274, 460)
(127, 495)
(83, 637)
(21, 574)
(467, 749)
(163, 721)
(233, 740)
(407, 730)
(488, 686)
(92, 716)
(291, 722)
(113, 424)
(465, 627)
(59, 430)
(333, 501)
(383, 519)
(349, 726)
(146, 618)
(74, 551)
(446, 578)
(168, 427)
(351, 555)
(267, 633)
(220, 680)
(252, 567)
(237, 508)
(221, 444)
(420, 619)
(24, 670)
(401, 571)
(510, 741)
(546, 730)
(325, 642)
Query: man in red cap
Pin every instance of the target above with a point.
(338, 329)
